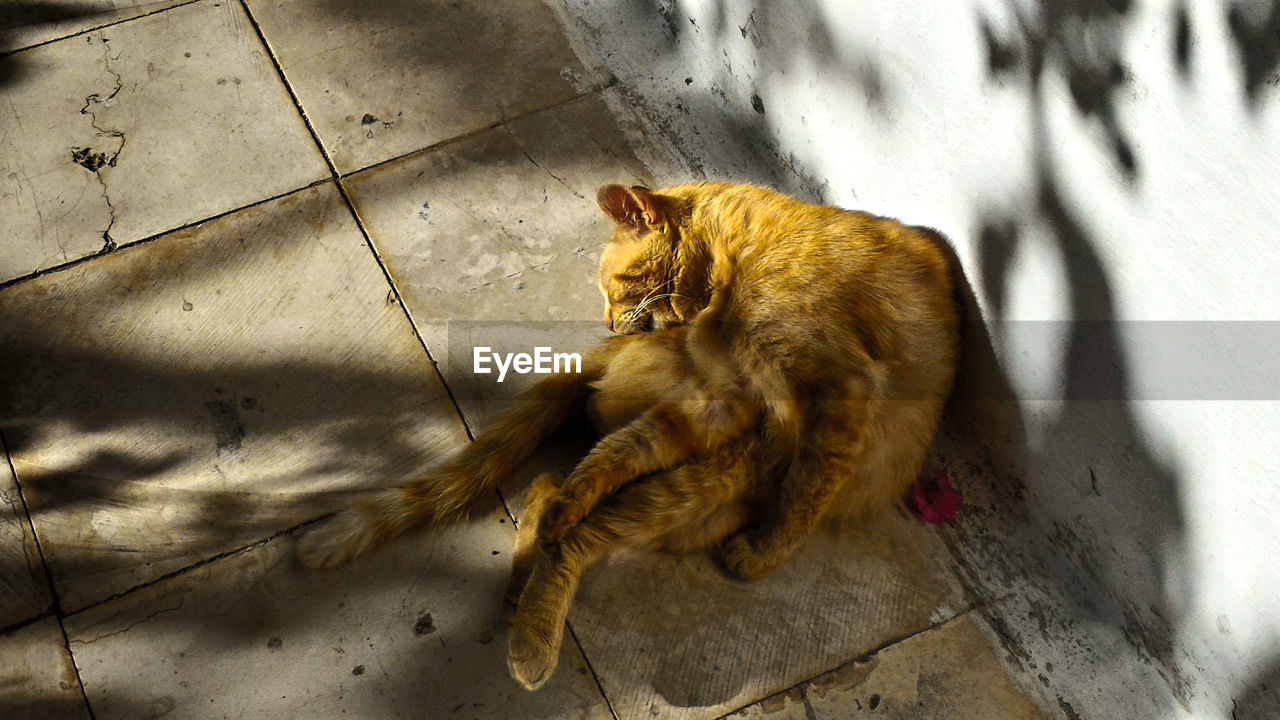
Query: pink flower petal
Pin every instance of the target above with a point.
(934, 500)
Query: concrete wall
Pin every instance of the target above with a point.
(1109, 161)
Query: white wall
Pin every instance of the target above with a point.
(1102, 160)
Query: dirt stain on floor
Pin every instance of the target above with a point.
(228, 429)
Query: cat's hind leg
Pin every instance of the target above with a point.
(702, 500)
(668, 434)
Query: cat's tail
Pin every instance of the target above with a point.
(450, 492)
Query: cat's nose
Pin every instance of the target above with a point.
(610, 322)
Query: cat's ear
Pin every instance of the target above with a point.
(617, 203)
(649, 205)
(635, 206)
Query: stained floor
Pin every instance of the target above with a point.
(247, 250)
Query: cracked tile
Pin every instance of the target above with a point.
(37, 677)
(191, 395)
(947, 673)
(414, 630)
(673, 637)
(493, 240)
(129, 131)
(379, 80)
(24, 589)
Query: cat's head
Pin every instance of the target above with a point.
(643, 273)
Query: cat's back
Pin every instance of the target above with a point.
(827, 277)
(778, 238)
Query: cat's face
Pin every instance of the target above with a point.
(635, 273)
(637, 294)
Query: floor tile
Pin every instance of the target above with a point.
(23, 24)
(414, 630)
(139, 128)
(948, 673)
(493, 240)
(379, 80)
(37, 678)
(24, 589)
(192, 394)
(790, 705)
(673, 637)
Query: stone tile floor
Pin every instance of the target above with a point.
(245, 250)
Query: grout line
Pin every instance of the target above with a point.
(368, 239)
(58, 612)
(293, 96)
(24, 624)
(364, 232)
(48, 573)
(466, 425)
(591, 669)
(86, 31)
(4, 285)
(506, 508)
(195, 566)
(66, 643)
(861, 658)
(472, 133)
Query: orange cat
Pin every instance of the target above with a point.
(841, 325)
(810, 353)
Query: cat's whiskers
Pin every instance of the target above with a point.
(645, 300)
(653, 299)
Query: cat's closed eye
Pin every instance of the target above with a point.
(637, 294)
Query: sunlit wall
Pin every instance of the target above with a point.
(1109, 172)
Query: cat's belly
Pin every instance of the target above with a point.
(609, 411)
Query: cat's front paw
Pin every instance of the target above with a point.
(531, 659)
(741, 558)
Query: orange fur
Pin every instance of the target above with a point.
(840, 325)
(806, 356)
(820, 350)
